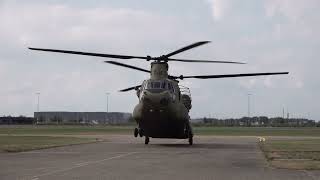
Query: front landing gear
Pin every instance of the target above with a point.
(138, 132)
(146, 140)
(141, 134)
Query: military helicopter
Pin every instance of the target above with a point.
(164, 105)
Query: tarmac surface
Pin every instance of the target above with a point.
(125, 157)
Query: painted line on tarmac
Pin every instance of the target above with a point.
(58, 152)
(82, 165)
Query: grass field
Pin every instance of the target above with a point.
(218, 131)
(25, 143)
(293, 154)
(64, 130)
(17, 138)
(257, 131)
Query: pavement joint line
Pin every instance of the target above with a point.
(81, 165)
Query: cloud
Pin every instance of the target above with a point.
(294, 10)
(219, 8)
(268, 35)
(59, 76)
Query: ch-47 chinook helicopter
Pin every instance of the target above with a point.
(163, 109)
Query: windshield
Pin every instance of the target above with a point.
(158, 85)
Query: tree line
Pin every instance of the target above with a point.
(258, 121)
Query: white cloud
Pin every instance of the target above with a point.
(59, 76)
(295, 10)
(219, 8)
(283, 38)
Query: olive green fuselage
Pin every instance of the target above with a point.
(161, 112)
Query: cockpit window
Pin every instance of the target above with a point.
(155, 85)
(158, 85)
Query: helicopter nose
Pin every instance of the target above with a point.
(164, 101)
(162, 98)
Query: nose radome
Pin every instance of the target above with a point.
(158, 98)
(164, 101)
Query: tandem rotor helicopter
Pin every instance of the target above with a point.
(164, 105)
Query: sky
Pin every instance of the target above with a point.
(270, 36)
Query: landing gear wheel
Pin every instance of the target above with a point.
(189, 133)
(140, 132)
(190, 136)
(190, 140)
(146, 140)
(136, 132)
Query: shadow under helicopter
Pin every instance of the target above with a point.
(207, 146)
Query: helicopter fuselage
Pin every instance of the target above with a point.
(161, 112)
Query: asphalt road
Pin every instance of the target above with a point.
(124, 157)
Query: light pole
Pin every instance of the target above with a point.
(107, 101)
(249, 104)
(38, 107)
(107, 106)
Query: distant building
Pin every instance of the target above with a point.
(82, 117)
(16, 120)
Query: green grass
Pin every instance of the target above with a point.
(257, 131)
(27, 137)
(217, 131)
(293, 154)
(64, 130)
(25, 143)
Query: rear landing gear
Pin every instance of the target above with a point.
(190, 140)
(136, 132)
(189, 134)
(146, 140)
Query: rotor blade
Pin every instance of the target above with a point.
(89, 54)
(203, 61)
(232, 75)
(187, 48)
(127, 66)
(136, 68)
(130, 88)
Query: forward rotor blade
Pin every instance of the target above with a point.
(187, 48)
(89, 54)
(130, 88)
(203, 61)
(136, 68)
(232, 75)
(127, 66)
